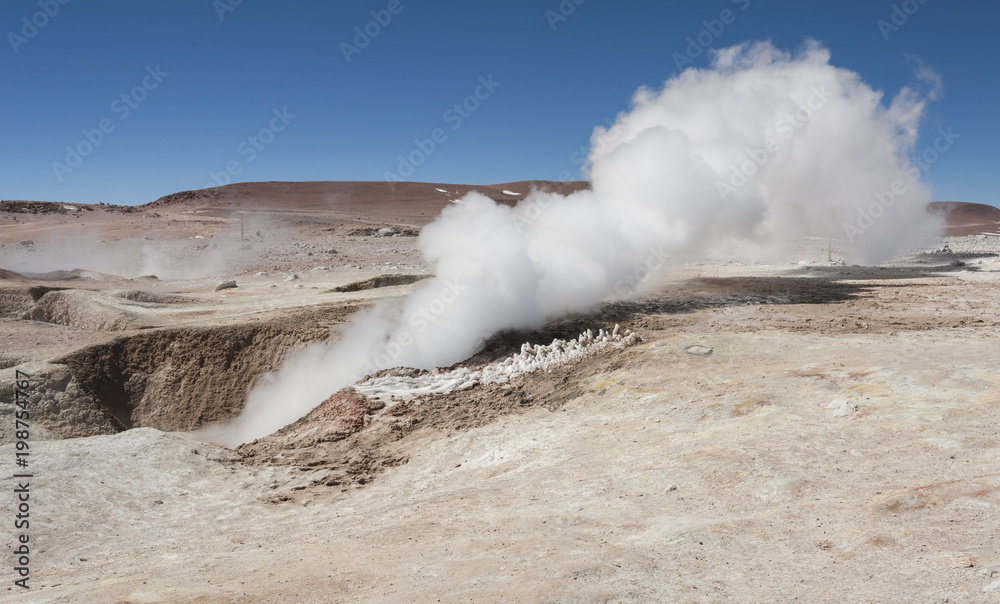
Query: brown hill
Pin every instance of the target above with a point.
(967, 218)
(413, 203)
(403, 202)
(417, 203)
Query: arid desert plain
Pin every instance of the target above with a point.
(786, 430)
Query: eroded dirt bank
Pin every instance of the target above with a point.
(169, 379)
(184, 379)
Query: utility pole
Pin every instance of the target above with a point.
(829, 247)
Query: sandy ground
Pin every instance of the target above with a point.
(790, 431)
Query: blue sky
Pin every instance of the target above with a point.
(280, 67)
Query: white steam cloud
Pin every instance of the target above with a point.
(172, 257)
(762, 146)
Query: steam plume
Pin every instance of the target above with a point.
(762, 146)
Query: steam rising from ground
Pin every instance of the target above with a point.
(194, 257)
(761, 146)
(186, 259)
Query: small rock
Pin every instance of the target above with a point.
(840, 407)
(699, 351)
(27, 243)
(225, 285)
(386, 232)
(291, 277)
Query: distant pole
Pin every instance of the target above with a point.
(829, 247)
